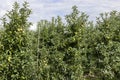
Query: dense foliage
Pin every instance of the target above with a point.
(15, 59)
(75, 50)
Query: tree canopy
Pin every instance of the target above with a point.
(77, 50)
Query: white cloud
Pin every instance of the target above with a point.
(45, 9)
(33, 27)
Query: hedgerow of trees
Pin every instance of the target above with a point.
(76, 49)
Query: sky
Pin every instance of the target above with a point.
(46, 9)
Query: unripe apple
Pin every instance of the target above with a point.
(20, 29)
(107, 37)
(9, 58)
(75, 33)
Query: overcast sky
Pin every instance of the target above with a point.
(45, 9)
